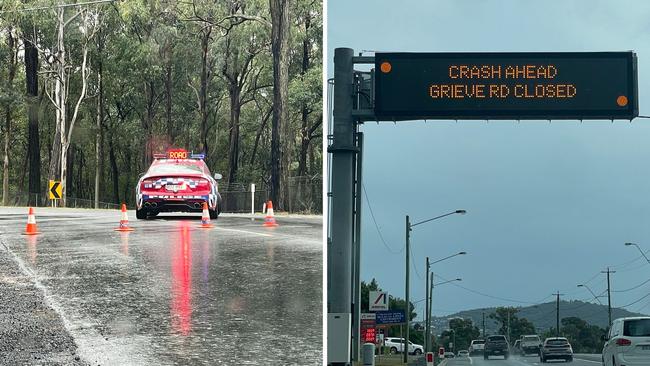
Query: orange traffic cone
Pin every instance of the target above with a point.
(269, 220)
(124, 221)
(31, 223)
(205, 217)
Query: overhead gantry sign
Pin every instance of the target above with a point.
(555, 85)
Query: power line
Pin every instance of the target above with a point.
(634, 302)
(58, 6)
(414, 266)
(489, 296)
(633, 268)
(372, 215)
(631, 261)
(633, 288)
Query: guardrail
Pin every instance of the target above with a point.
(40, 200)
(302, 195)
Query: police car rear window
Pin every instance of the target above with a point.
(159, 169)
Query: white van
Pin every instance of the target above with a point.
(628, 342)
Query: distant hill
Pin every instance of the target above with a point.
(542, 315)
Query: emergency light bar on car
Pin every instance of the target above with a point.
(179, 154)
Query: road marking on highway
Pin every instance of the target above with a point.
(244, 231)
(582, 359)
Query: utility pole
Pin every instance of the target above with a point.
(430, 335)
(484, 325)
(426, 310)
(407, 308)
(557, 314)
(609, 297)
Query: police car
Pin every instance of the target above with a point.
(177, 181)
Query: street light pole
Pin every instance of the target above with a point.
(429, 314)
(426, 311)
(429, 292)
(642, 253)
(595, 297)
(407, 306)
(609, 297)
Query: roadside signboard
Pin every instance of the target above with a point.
(54, 190)
(378, 301)
(526, 85)
(368, 330)
(390, 317)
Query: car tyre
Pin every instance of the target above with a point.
(141, 214)
(486, 357)
(417, 352)
(393, 350)
(505, 356)
(570, 359)
(214, 214)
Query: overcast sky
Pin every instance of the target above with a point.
(549, 205)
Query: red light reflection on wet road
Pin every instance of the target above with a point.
(181, 306)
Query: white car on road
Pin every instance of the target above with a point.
(477, 346)
(628, 342)
(396, 345)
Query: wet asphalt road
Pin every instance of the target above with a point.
(170, 293)
(519, 361)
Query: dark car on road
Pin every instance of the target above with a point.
(556, 348)
(496, 345)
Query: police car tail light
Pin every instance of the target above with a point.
(147, 183)
(204, 183)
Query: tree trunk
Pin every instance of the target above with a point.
(203, 91)
(265, 119)
(114, 171)
(13, 59)
(5, 164)
(33, 145)
(171, 135)
(304, 110)
(233, 150)
(147, 123)
(99, 156)
(280, 50)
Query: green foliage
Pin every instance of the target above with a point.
(142, 47)
(512, 325)
(584, 338)
(461, 332)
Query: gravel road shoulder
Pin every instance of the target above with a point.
(31, 333)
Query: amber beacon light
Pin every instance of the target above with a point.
(386, 67)
(621, 100)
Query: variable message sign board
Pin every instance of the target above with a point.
(555, 85)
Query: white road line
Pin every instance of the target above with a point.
(244, 231)
(582, 359)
